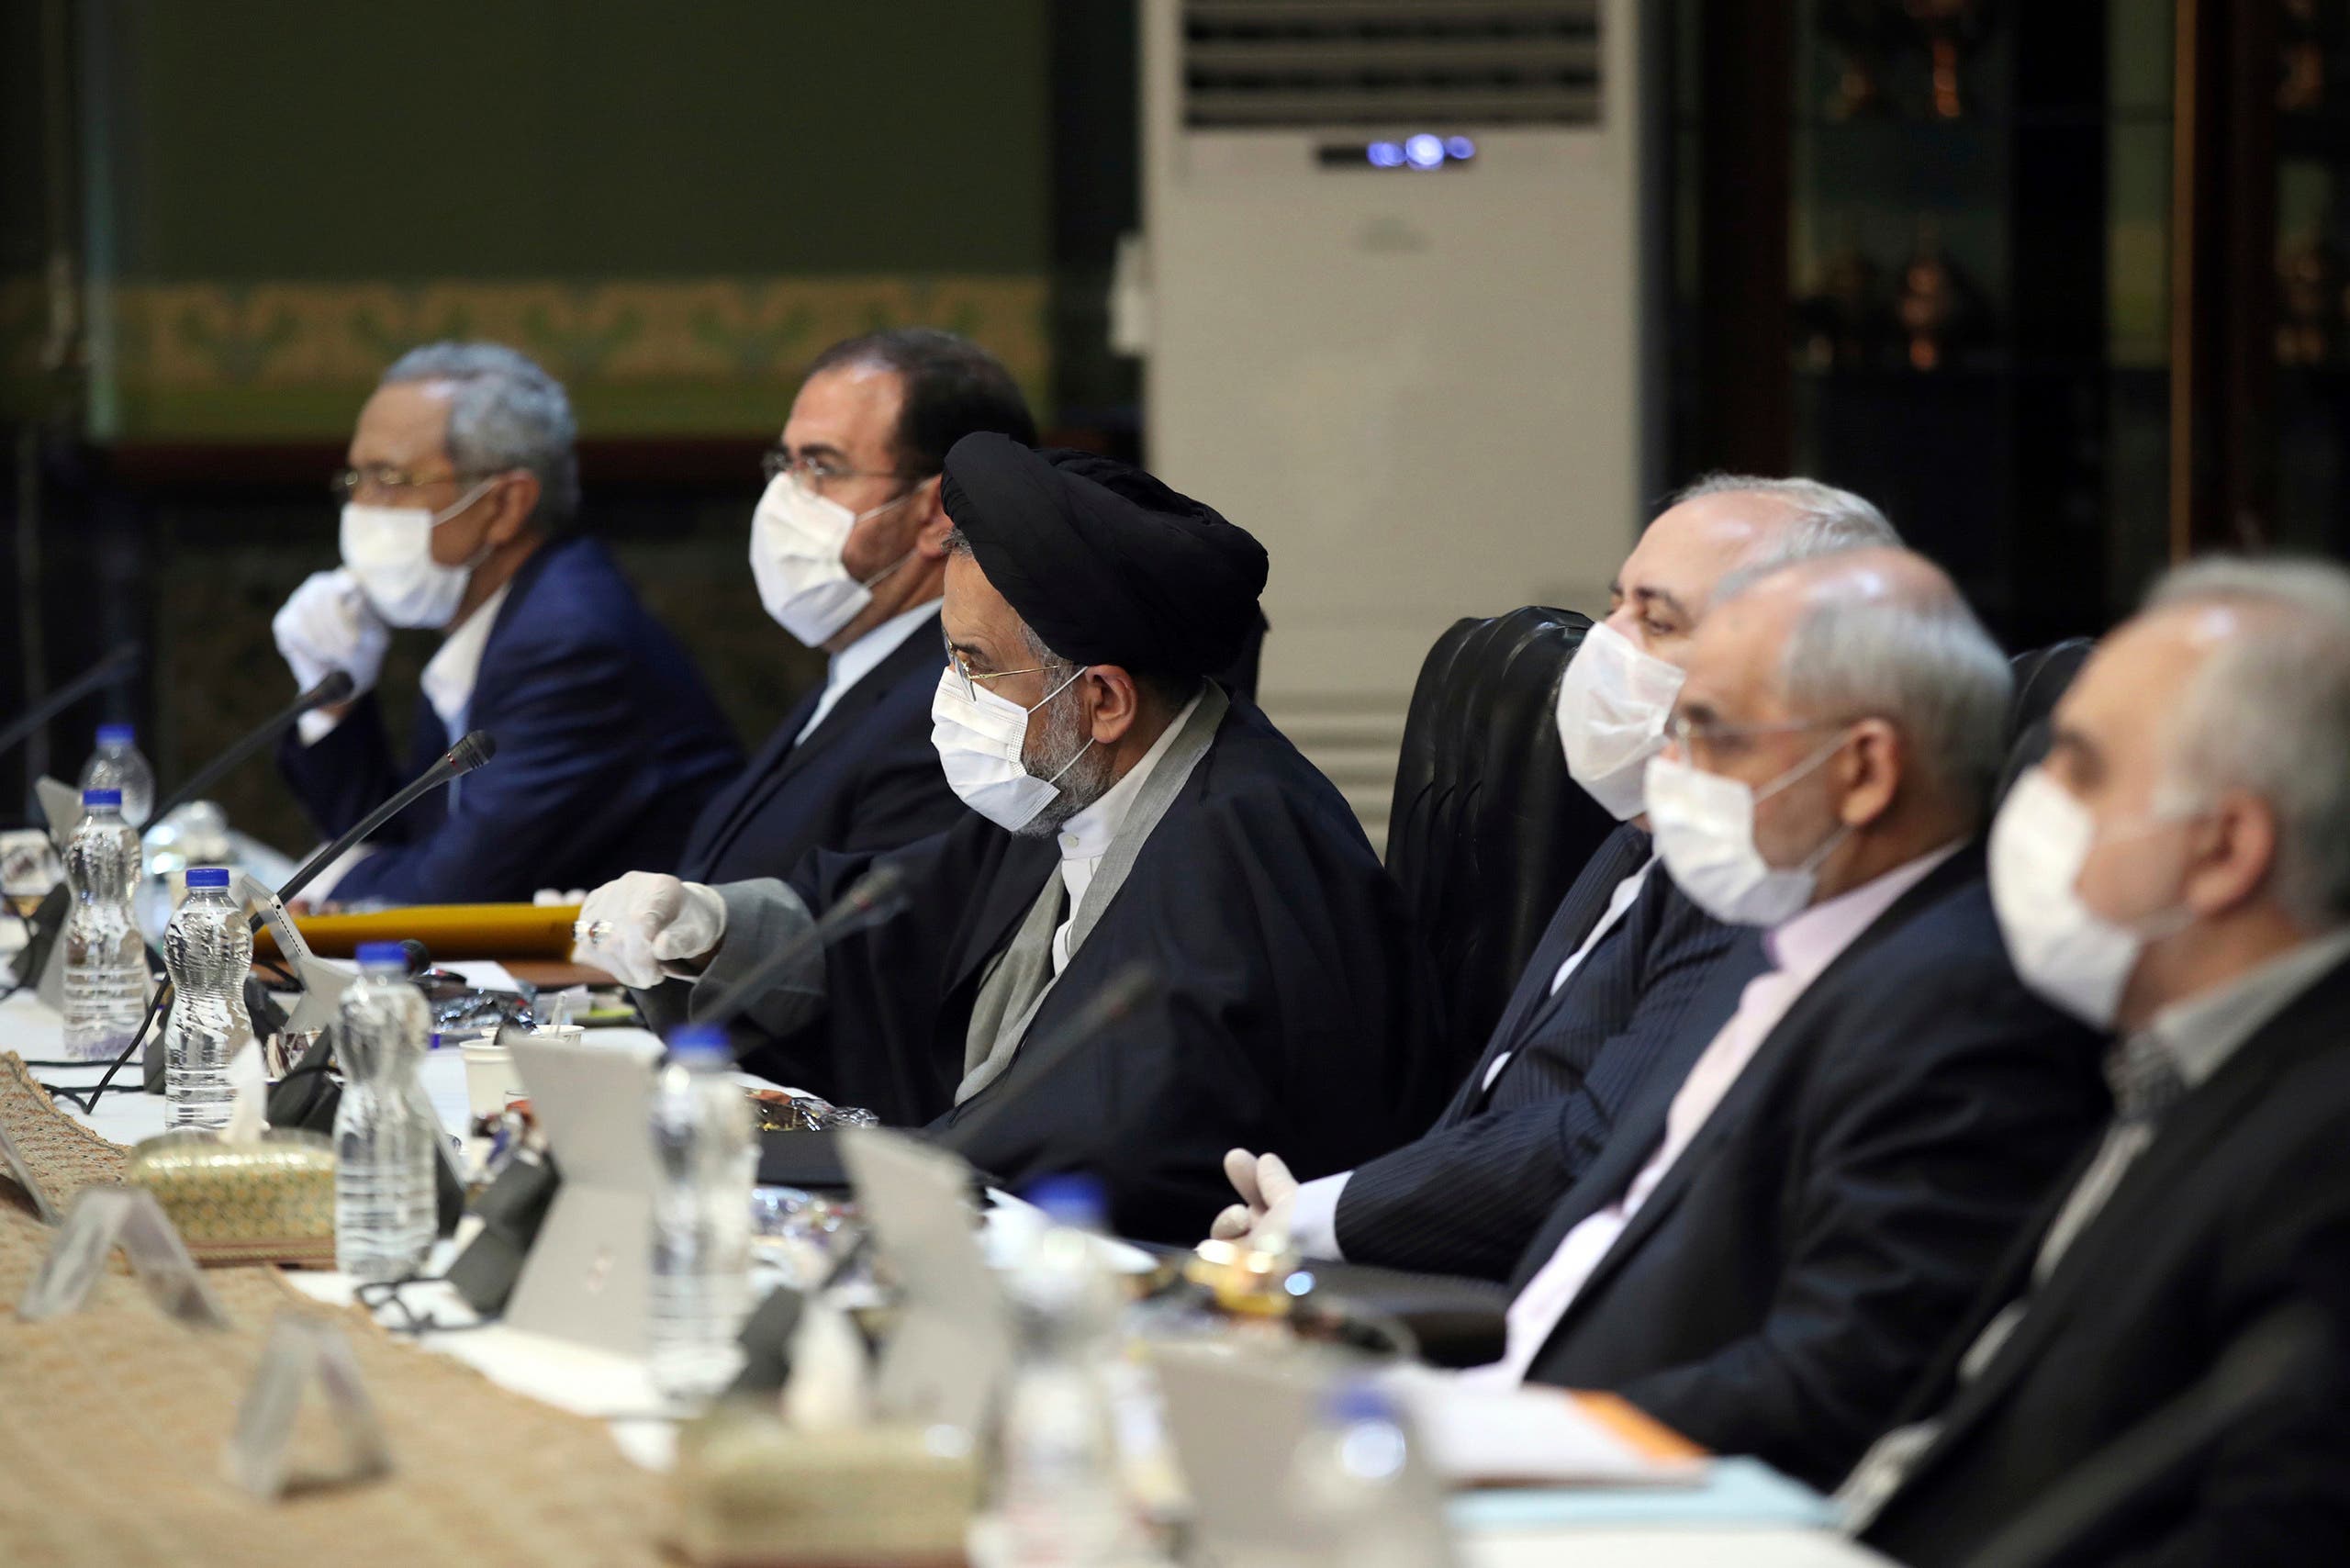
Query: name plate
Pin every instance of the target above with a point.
(102, 1219)
(304, 1350)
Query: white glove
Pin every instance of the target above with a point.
(1268, 1198)
(327, 625)
(629, 927)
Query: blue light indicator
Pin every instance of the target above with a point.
(1425, 151)
(1459, 148)
(1386, 156)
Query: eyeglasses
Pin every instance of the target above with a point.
(963, 671)
(347, 482)
(1711, 738)
(813, 473)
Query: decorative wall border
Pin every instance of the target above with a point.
(291, 360)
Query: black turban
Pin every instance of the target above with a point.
(1106, 565)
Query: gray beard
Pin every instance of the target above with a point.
(1087, 780)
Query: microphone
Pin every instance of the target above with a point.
(872, 899)
(116, 666)
(1126, 990)
(514, 1207)
(2289, 1348)
(463, 758)
(336, 688)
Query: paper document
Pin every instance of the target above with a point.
(1524, 1437)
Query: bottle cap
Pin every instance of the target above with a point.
(117, 735)
(207, 876)
(699, 1042)
(1073, 1198)
(379, 955)
(109, 799)
(1357, 1399)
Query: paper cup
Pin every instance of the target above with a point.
(490, 1077)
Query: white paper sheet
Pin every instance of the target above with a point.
(1524, 1437)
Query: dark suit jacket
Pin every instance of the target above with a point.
(1464, 1199)
(2240, 1205)
(1801, 1262)
(1296, 1012)
(866, 778)
(607, 745)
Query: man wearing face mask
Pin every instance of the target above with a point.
(1800, 1202)
(2178, 869)
(1626, 955)
(849, 549)
(1124, 811)
(460, 500)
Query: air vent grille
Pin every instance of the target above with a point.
(1398, 64)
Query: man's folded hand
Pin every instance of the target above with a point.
(1267, 1195)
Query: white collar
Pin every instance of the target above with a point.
(862, 657)
(1087, 835)
(857, 660)
(449, 675)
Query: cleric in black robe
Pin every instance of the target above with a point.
(1135, 813)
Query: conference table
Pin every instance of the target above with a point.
(1742, 1515)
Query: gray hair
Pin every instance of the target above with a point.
(1923, 662)
(1822, 520)
(2269, 713)
(504, 413)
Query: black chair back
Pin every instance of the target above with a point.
(1487, 831)
(2041, 675)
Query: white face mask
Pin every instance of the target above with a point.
(1704, 824)
(2072, 957)
(980, 737)
(797, 538)
(1613, 702)
(389, 550)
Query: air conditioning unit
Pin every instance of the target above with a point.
(1389, 296)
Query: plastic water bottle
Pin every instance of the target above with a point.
(118, 765)
(1350, 1485)
(208, 948)
(385, 1138)
(105, 959)
(1064, 1500)
(701, 1218)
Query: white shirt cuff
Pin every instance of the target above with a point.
(1314, 1217)
(315, 726)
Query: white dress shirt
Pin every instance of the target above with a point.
(448, 681)
(857, 660)
(1799, 950)
(1313, 1218)
(1085, 838)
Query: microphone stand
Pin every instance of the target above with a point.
(115, 667)
(873, 898)
(336, 688)
(1127, 989)
(2288, 1348)
(464, 756)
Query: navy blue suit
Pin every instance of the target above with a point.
(1464, 1198)
(1793, 1274)
(606, 745)
(865, 779)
